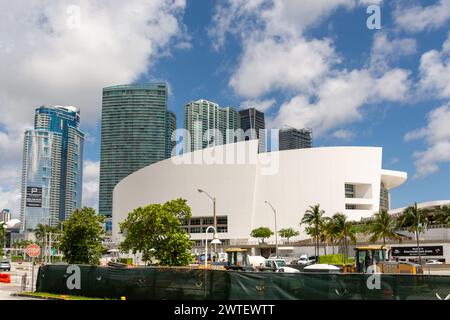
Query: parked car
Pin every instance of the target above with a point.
(278, 265)
(304, 260)
(5, 265)
(433, 262)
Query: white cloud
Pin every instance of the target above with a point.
(386, 50)
(435, 71)
(278, 57)
(437, 137)
(418, 18)
(43, 61)
(261, 105)
(343, 134)
(91, 172)
(295, 64)
(339, 100)
(247, 18)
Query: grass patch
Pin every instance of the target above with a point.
(46, 295)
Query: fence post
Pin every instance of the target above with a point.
(23, 286)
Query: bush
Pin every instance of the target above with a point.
(335, 259)
(16, 258)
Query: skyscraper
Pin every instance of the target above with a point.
(5, 215)
(252, 119)
(202, 117)
(291, 138)
(52, 171)
(136, 131)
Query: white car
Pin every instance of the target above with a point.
(304, 260)
(433, 262)
(279, 265)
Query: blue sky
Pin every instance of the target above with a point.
(306, 63)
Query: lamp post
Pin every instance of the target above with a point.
(213, 199)
(214, 242)
(276, 229)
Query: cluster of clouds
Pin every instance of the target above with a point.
(434, 81)
(63, 52)
(278, 56)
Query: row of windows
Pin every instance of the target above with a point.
(220, 229)
(208, 221)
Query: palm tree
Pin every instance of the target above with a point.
(443, 215)
(326, 233)
(416, 221)
(345, 231)
(382, 226)
(313, 218)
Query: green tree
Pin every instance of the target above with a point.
(288, 233)
(2, 236)
(155, 231)
(261, 233)
(382, 226)
(442, 215)
(345, 231)
(81, 241)
(313, 218)
(416, 221)
(327, 235)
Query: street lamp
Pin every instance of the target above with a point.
(214, 242)
(276, 230)
(213, 199)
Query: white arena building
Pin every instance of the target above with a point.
(340, 179)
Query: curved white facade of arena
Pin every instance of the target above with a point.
(290, 180)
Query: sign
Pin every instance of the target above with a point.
(33, 250)
(413, 251)
(34, 197)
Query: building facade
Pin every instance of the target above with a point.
(290, 180)
(5, 215)
(52, 171)
(291, 138)
(252, 119)
(136, 132)
(209, 125)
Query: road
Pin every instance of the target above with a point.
(17, 271)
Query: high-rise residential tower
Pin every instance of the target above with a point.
(252, 119)
(52, 172)
(291, 138)
(203, 117)
(136, 132)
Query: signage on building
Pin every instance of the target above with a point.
(34, 197)
(414, 252)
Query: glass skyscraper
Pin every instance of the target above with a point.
(203, 115)
(252, 119)
(291, 138)
(136, 132)
(52, 171)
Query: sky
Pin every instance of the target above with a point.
(305, 63)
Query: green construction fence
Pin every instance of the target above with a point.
(161, 283)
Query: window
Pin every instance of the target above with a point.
(222, 229)
(195, 230)
(222, 220)
(350, 207)
(349, 190)
(195, 222)
(208, 221)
